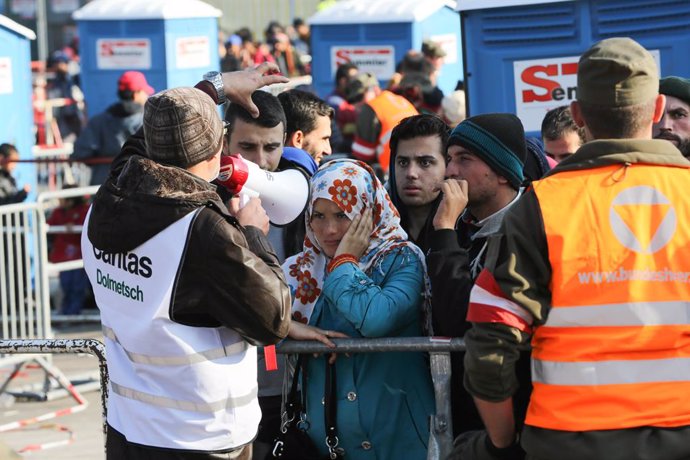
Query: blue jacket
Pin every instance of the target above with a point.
(384, 399)
(105, 134)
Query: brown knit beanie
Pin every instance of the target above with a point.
(182, 127)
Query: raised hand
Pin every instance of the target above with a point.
(452, 204)
(240, 85)
(356, 239)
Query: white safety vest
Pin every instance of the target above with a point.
(171, 386)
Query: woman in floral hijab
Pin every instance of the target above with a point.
(358, 276)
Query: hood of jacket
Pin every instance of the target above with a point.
(142, 200)
(124, 109)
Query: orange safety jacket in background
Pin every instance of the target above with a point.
(614, 352)
(390, 109)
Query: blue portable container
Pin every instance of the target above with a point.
(173, 42)
(16, 116)
(521, 56)
(377, 34)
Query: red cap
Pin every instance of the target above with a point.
(134, 81)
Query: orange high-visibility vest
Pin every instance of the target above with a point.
(390, 109)
(614, 352)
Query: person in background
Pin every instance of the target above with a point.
(418, 169)
(106, 132)
(345, 112)
(537, 164)
(9, 193)
(65, 247)
(63, 85)
(434, 54)
(560, 135)
(376, 118)
(359, 276)
(302, 38)
(674, 126)
(232, 62)
(453, 108)
(588, 269)
(286, 57)
(308, 123)
(343, 75)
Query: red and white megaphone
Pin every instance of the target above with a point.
(284, 195)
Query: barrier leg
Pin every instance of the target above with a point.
(441, 438)
(91, 346)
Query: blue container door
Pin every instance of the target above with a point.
(16, 120)
(109, 48)
(376, 48)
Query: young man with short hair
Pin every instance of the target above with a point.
(261, 139)
(417, 171)
(308, 123)
(559, 133)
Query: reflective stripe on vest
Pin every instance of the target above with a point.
(615, 349)
(390, 109)
(172, 386)
(210, 407)
(193, 358)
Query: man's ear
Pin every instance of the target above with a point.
(577, 114)
(659, 108)
(296, 140)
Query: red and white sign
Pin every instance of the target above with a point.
(23, 8)
(192, 52)
(544, 84)
(377, 60)
(64, 6)
(123, 53)
(449, 44)
(5, 75)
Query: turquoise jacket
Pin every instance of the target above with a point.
(385, 400)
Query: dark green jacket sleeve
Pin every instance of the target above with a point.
(518, 260)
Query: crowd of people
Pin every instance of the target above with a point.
(558, 259)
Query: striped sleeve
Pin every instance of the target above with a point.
(488, 304)
(363, 150)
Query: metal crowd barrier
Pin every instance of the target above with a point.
(439, 348)
(54, 175)
(46, 346)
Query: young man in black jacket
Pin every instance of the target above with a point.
(484, 170)
(418, 167)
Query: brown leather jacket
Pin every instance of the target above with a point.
(229, 275)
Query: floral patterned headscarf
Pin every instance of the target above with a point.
(354, 187)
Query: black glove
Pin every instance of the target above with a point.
(476, 445)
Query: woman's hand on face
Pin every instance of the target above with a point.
(299, 331)
(356, 239)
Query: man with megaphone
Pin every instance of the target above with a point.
(185, 289)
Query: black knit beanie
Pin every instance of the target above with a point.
(498, 139)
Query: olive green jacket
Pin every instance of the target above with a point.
(518, 260)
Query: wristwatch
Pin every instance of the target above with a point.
(216, 79)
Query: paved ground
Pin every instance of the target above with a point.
(86, 425)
